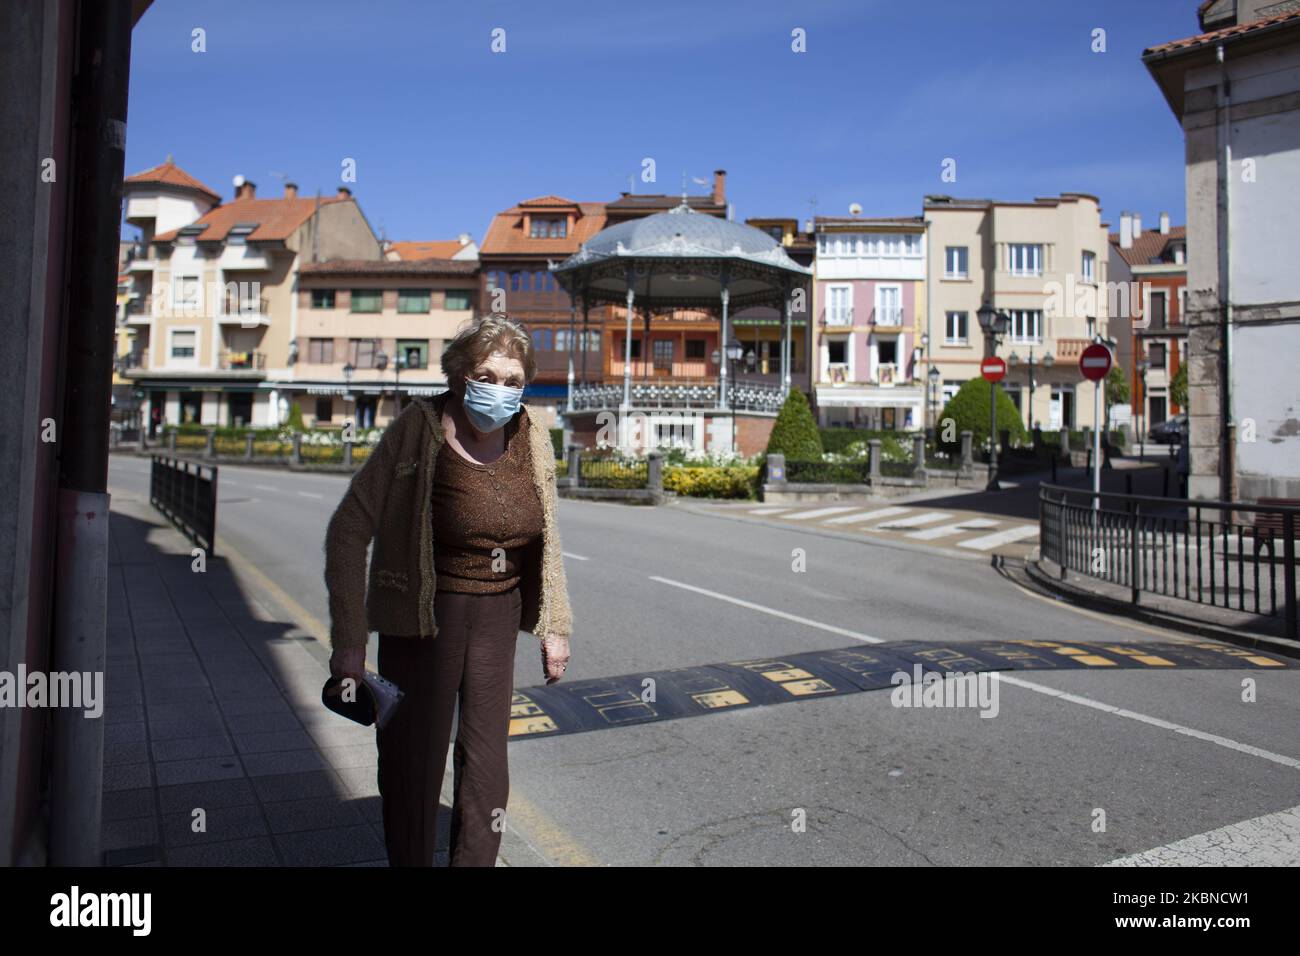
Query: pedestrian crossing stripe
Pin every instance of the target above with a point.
(601, 703)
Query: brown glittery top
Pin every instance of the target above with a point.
(477, 508)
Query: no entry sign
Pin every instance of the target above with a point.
(1094, 363)
(993, 369)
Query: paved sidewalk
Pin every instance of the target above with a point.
(213, 711)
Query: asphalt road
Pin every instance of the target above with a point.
(877, 784)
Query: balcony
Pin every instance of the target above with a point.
(837, 373)
(139, 310)
(134, 362)
(243, 364)
(1069, 350)
(840, 316)
(887, 375)
(245, 313)
(887, 318)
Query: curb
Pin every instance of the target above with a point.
(1031, 575)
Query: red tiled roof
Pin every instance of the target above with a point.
(1214, 36)
(435, 249)
(1150, 245)
(275, 218)
(391, 267)
(168, 173)
(505, 236)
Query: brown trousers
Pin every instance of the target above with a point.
(473, 656)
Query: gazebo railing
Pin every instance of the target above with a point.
(748, 396)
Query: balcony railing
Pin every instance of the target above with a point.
(840, 316)
(135, 360)
(140, 306)
(1069, 350)
(887, 373)
(890, 318)
(692, 368)
(239, 309)
(837, 373)
(243, 362)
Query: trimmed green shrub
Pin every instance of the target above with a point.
(795, 433)
(969, 411)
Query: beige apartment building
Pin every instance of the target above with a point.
(1042, 261)
(368, 335)
(213, 308)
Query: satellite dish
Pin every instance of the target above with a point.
(855, 209)
(239, 181)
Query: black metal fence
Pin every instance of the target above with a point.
(181, 490)
(1227, 554)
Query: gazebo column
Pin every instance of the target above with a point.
(573, 321)
(627, 343)
(787, 346)
(586, 337)
(726, 337)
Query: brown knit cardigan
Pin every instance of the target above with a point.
(389, 501)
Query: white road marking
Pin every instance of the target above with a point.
(1270, 840)
(928, 517)
(856, 635)
(266, 488)
(868, 515)
(310, 494)
(929, 534)
(576, 557)
(819, 513)
(767, 511)
(1282, 759)
(1000, 537)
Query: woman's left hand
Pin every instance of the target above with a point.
(555, 657)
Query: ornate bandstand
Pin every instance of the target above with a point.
(673, 262)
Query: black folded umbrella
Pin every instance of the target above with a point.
(360, 708)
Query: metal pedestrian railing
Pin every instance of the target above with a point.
(602, 471)
(1235, 555)
(186, 492)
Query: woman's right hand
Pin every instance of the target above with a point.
(349, 662)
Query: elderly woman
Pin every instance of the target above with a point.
(459, 498)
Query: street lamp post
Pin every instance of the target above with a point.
(348, 369)
(931, 403)
(1046, 362)
(1143, 365)
(994, 323)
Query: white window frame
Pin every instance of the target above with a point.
(948, 271)
(898, 288)
(830, 291)
(191, 362)
(180, 306)
(1016, 316)
(847, 339)
(1025, 258)
(948, 338)
(1088, 259)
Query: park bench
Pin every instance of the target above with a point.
(1268, 526)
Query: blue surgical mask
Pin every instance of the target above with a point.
(489, 406)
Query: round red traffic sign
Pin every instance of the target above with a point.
(1094, 363)
(993, 369)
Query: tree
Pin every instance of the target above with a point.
(968, 410)
(1178, 388)
(795, 434)
(1117, 391)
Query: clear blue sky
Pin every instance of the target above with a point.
(445, 133)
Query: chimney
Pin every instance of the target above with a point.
(1164, 224)
(1126, 230)
(246, 190)
(344, 193)
(290, 190)
(719, 187)
(1137, 226)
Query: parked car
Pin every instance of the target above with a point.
(1170, 431)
